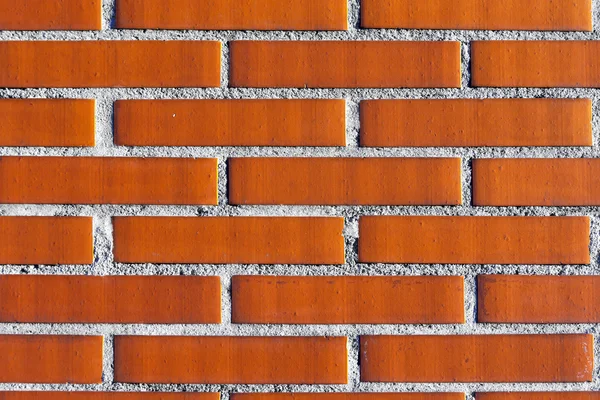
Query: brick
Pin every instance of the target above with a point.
(244, 360)
(229, 240)
(43, 122)
(348, 396)
(340, 64)
(345, 181)
(474, 240)
(112, 396)
(50, 359)
(540, 63)
(538, 299)
(471, 122)
(537, 396)
(110, 299)
(536, 182)
(46, 240)
(277, 15)
(533, 15)
(347, 300)
(97, 64)
(108, 180)
(303, 122)
(477, 358)
(37, 15)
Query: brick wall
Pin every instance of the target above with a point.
(299, 199)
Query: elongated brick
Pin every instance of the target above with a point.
(474, 240)
(109, 63)
(229, 240)
(307, 122)
(332, 181)
(46, 240)
(536, 182)
(50, 359)
(110, 299)
(44, 122)
(215, 359)
(340, 64)
(349, 396)
(108, 180)
(533, 15)
(347, 300)
(112, 396)
(471, 122)
(537, 396)
(477, 358)
(538, 299)
(539, 63)
(37, 15)
(233, 14)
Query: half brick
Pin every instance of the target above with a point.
(345, 181)
(46, 240)
(347, 299)
(244, 360)
(305, 122)
(38, 15)
(229, 240)
(477, 358)
(110, 299)
(474, 240)
(340, 64)
(107, 180)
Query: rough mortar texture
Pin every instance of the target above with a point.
(105, 265)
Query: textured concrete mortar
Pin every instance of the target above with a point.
(104, 265)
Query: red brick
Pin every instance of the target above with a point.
(346, 181)
(37, 15)
(347, 300)
(474, 240)
(538, 299)
(108, 180)
(477, 358)
(532, 15)
(47, 122)
(306, 122)
(536, 182)
(46, 240)
(50, 359)
(537, 396)
(245, 360)
(109, 63)
(341, 64)
(229, 240)
(110, 299)
(278, 15)
(472, 122)
(113, 396)
(347, 396)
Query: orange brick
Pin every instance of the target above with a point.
(347, 300)
(307, 122)
(533, 15)
(108, 180)
(50, 359)
(536, 182)
(229, 240)
(37, 15)
(341, 64)
(46, 240)
(477, 358)
(538, 299)
(113, 396)
(137, 63)
(278, 15)
(346, 396)
(350, 181)
(537, 396)
(110, 299)
(246, 360)
(43, 122)
(474, 240)
(471, 122)
(528, 63)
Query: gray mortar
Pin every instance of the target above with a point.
(104, 263)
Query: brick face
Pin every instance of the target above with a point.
(31, 395)
(34, 15)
